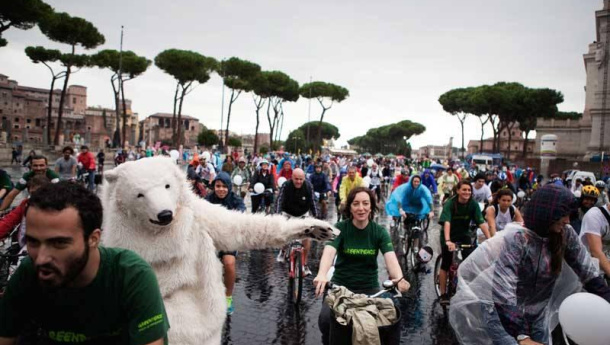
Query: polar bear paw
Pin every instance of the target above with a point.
(320, 231)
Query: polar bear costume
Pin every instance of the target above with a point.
(149, 208)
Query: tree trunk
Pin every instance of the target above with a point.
(482, 133)
(258, 106)
(117, 133)
(279, 132)
(178, 141)
(124, 113)
(226, 142)
(62, 100)
(320, 127)
(50, 111)
(510, 138)
(270, 123)
(494, 131)
(174, 113)
(462, 125)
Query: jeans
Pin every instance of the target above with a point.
(91, 180)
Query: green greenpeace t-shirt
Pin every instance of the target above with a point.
(357, 249)
(23, 181)
(460, 220)
(122, 305)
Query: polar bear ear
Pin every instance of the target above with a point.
(111, 176)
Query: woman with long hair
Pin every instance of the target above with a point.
(458, 212)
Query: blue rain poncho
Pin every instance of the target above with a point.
(412, 200)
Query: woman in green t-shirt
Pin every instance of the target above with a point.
(458, 212)
(356, 249)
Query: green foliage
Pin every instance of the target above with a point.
(132, 64)
(264, 150)
(238, 73)
(63, 28)
(234, 142)
(207, 138)
(572, 115)
(328, 130)
(21, 14)
(388, 138)
(296, 141)
(186, 66)
(322, 90)
(41, 54)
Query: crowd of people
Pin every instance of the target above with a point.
(556, 222)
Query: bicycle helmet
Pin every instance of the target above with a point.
(601, 185)
(589, 192)
(425, 254)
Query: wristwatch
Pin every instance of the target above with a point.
(522, 337)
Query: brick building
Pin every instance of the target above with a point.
(158, 127)
(23, 112)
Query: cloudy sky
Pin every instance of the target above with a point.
(396, 57)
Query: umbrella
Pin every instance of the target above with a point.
(390, 155)
(437, 166)
(366, 154)
(400, 157)
(379, 155)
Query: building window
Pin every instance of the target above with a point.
(29, 120)
(161, 122)
(16, 126)
(37, 122)
(16, 119)
(28, 127)
(192, 128)
(73, 100)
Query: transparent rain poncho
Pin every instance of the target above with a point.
(506, 287)
(412, 200)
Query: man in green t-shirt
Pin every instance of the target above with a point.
(39, 167)
(70, 289)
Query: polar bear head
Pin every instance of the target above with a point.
(148, 192)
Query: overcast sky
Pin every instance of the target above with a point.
(396, 57)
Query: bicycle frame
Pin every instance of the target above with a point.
(296, 248)
(455, 264)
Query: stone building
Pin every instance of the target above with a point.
(516, 144)
(24, 109)
(158, 127)
(100, 132)
(590, 135)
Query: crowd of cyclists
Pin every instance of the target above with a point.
(473, 207)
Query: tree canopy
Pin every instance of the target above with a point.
(323, 91)
(504, 105)
(21, 14)
(125, 66)
(237, 75)
(297, 139)
(207, 137)
(187, 67)
(389, 138)
(63, 28)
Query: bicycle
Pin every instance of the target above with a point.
(296, 255)
(452, 276)
(415, 236)
(10, 256)
(342, 335)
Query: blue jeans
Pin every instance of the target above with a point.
(91, 180)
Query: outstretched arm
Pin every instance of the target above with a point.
(9, 199)
(232, 230)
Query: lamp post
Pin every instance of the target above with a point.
(407, 146)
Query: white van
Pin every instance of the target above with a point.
(482, 162)
(578, 174)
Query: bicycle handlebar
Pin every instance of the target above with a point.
(387, 286)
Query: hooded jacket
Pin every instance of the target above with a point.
(412, 200)
(231, 201)
(429, 181)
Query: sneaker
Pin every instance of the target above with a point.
(280, 256)
(230, 308)
(306, 271)
(444, 300)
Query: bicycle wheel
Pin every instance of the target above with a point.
(437, 270)
(297, 284)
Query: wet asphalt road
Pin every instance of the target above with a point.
(264, 313)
